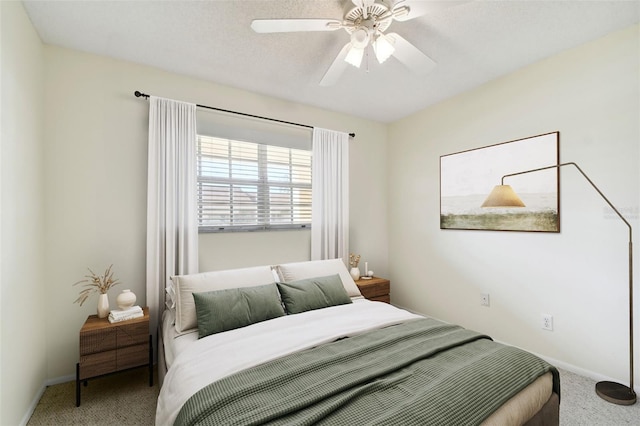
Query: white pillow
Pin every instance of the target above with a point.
(319, 268)
(186, 285)
(170, 296)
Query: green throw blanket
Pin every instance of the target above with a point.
(422, 372)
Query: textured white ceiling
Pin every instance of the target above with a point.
(471, 43)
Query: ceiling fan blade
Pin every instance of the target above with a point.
(418, 8)
(337, 67)
(410, 56)
(294, 25)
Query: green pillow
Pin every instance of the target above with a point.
(313, 293)
(223, 310)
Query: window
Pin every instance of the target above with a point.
(245, 186)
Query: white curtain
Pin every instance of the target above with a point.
(330, 202)
(172, 228)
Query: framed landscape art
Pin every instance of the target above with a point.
(467, 178)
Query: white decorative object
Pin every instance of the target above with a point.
(133, 312)
(103, 305)
(126, 299)
(370, 273)
(355, 273)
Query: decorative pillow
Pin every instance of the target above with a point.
(185, 285)
(313, 293)
(223, 310)
(319, 268)
(170, 297)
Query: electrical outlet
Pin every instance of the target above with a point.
(547, 322)
(484, 299)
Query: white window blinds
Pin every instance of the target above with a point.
(248, 186)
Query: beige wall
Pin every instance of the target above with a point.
(23, 350)
(79, 129)
(591, 95)
(96, 155)
(240, 249)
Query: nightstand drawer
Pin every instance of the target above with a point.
(385, 298)
(97, 364)
(97, 341)
(132, 334)
(376, 289)
(132, 356)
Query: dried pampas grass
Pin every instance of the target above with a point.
(95, 283)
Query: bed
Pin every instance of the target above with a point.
(348, 362)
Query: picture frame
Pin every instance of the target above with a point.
(467, 178)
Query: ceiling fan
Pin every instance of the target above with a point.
(366, 24)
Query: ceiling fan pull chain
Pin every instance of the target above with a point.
(368, 48)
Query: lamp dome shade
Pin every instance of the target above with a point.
(503, 196)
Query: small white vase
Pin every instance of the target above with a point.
(355, 273)
(126, 299)
(103, 305)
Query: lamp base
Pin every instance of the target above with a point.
(616, 393)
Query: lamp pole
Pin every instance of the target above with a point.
(610, 391)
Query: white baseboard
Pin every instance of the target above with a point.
(32, 406)
(36, 399)
(58, 380)
(581, 371)
(555, 362)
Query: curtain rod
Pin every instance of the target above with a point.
(144, 95)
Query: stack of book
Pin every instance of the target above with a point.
(118, 315)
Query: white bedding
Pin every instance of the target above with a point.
(174, 343)
(203, 361)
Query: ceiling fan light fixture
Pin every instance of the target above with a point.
(360, 38)
(383, 48)
(354, 56)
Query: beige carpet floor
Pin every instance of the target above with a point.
(581, 406)
(127, 399)
(118, 399)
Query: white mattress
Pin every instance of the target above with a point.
(194, 363)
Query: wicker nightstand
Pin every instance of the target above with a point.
(377, 289)
(107, 348)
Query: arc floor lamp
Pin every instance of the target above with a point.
(504, 196)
